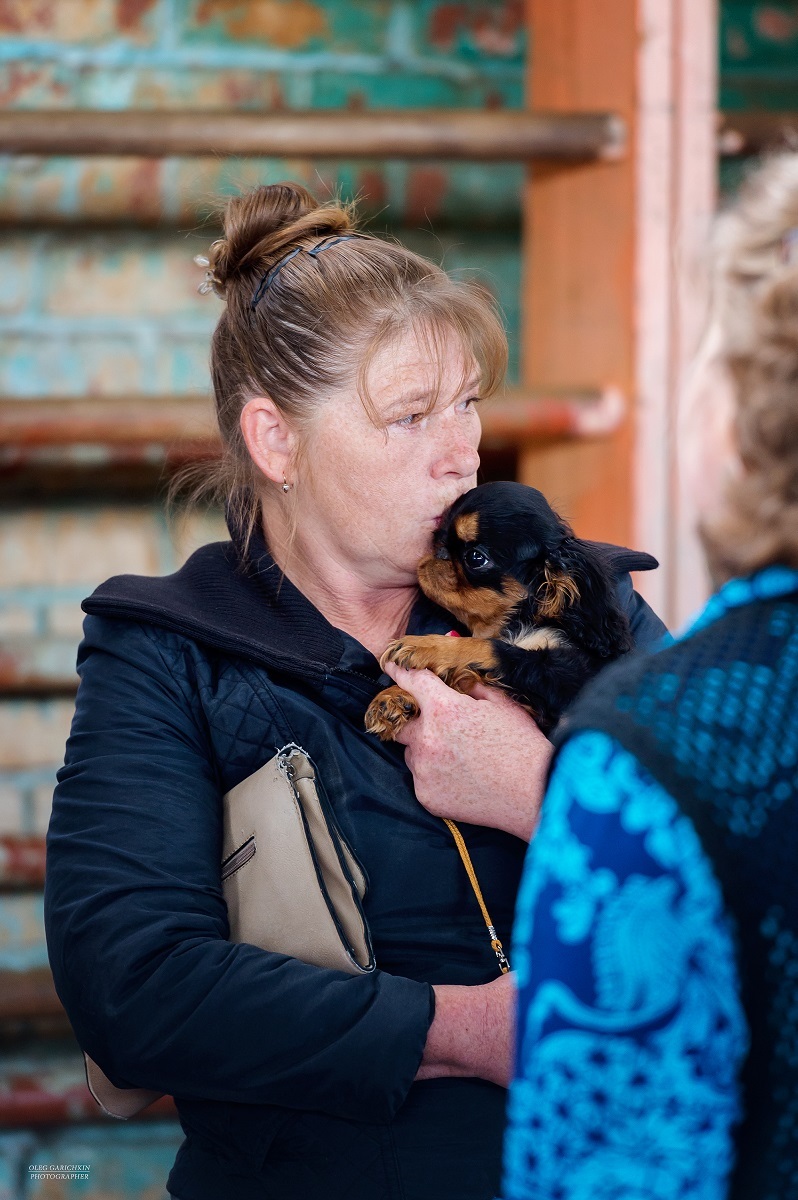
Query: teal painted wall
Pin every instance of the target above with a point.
(758, 55)
(758, 63)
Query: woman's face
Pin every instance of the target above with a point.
(371, 494)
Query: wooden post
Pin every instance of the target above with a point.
(579, 257)
(612, 297)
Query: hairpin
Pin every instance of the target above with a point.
(270, 276)
(210, 282)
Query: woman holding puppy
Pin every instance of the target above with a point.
(346, 373)
(656, 940)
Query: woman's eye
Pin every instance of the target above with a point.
(476, 559)
(412, 419)
(470, 404)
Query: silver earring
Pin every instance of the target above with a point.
(286, 485)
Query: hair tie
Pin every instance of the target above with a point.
(270, 276)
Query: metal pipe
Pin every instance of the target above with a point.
(25, 1101)
(416, 134)
(108, 421)
(523, 416)
(131, 428)
(22, 858)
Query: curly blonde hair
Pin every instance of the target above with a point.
(756, 312)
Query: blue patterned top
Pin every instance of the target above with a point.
(631, 1030)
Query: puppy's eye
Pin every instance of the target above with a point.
(476, 560)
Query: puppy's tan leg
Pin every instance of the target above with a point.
(459, 662)
(389, 712)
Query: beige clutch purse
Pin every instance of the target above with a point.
(291, 883)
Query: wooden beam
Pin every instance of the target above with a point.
(579, 224)
(431, 133)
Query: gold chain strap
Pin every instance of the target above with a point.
(459, 841)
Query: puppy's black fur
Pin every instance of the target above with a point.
(539, 602)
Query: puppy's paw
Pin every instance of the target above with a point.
(460, 662)
(389, 712)
(414, 653)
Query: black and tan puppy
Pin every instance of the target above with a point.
(540, 605)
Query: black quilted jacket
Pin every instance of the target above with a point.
(291, 1081)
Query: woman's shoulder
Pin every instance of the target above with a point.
(228, 604)
(150, 620)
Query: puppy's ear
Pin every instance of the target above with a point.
(558, 591)
(578, 593)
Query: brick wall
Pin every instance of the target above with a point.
(98, 297)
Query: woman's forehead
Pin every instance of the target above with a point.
(414, 369)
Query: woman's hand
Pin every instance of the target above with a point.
(472, 1033)
(478, 758)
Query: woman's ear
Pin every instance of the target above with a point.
(269, 438)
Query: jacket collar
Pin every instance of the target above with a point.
(235, 603)
(239, 602)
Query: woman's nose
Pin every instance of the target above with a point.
(458, 456)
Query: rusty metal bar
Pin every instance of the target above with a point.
(21, 866)
(48, 446)
(29, 1006)
(128, 446)
(430, 133)
(523, 416)
(144, 428)
(28, 994)
(124, 421)
(56, 1093)
(22, 679)
(751, 132)
(25, 1100)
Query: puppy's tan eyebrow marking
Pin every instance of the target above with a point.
(467, 527)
